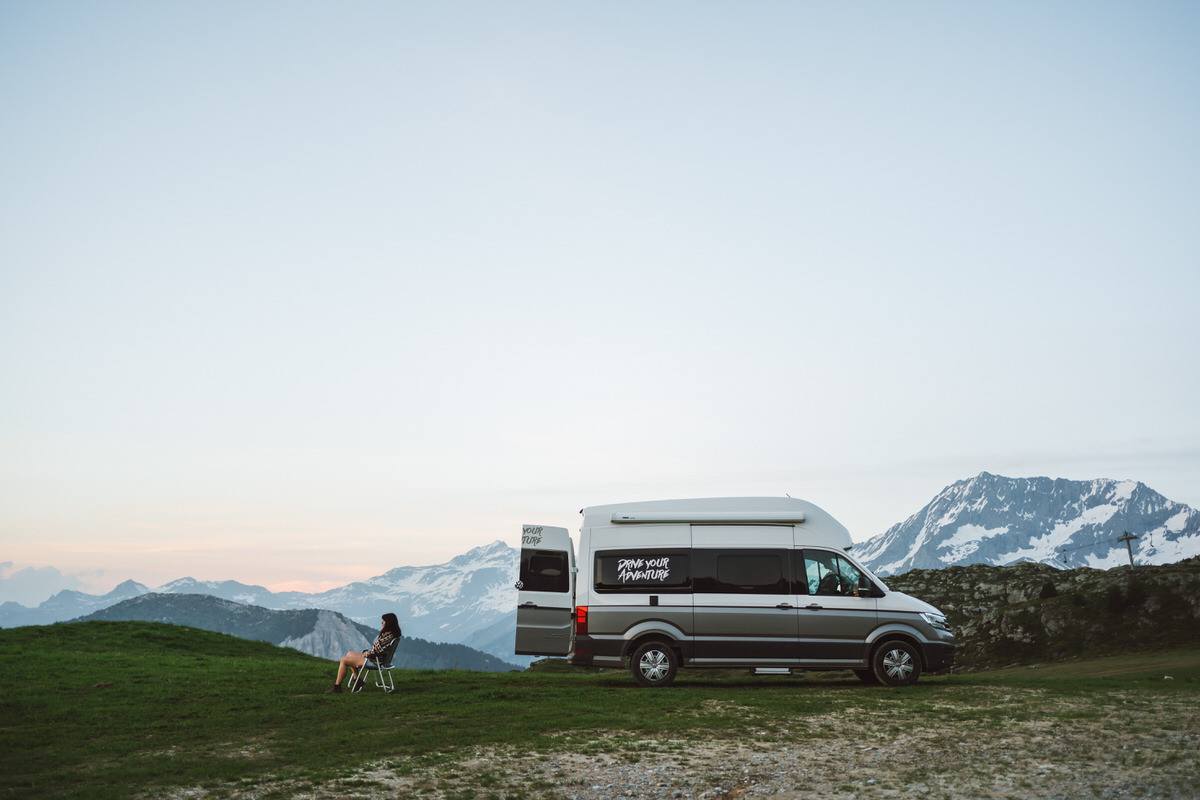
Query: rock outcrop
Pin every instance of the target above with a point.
(1027, 613)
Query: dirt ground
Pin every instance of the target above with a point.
(1083, 748)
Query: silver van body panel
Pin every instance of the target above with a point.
(913, 623)
(902, 603)
(897, 627)
(728, 628)
(630, 622)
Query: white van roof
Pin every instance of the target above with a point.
(813, 522)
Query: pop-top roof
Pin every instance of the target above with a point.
(810, 518)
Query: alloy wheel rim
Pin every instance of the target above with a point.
(654, 665)
(898, 664)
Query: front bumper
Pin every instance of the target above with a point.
(939, 656)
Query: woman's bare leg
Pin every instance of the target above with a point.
(353, 660)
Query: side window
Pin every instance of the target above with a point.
(642, 571)
(851, 574)
(545, 571)
(741, 571)
(829, 574)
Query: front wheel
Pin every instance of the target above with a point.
(896, 663)
(654, 664)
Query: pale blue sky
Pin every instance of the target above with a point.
(294, 293)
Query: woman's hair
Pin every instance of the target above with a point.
(390, 624)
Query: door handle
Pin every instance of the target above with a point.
(814, 607)
(785, 606)
(528, 605)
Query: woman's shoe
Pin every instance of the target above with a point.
(335, 689)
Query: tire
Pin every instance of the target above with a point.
(654, 664)
(866, 676)
(896, 663)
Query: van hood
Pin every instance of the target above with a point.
(899, 601)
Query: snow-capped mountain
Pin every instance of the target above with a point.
(991, 519)
(452, 602)
(468, 600)
(461, 601)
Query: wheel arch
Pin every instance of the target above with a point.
(651, 630)
(907, 636)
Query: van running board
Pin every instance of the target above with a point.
(771, 671)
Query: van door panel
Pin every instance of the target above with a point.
(751, 622)
(545, 592)
(832, 627)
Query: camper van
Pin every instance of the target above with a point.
(765, 583)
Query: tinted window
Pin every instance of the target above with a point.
(545, 571)
(829, 574)
(663, 570)
(741, 571)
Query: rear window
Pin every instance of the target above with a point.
(545, 571)
(742, 572)
(661, 571)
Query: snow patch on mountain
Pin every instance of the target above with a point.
(1045, 548)
(966, 540)
(993, 519)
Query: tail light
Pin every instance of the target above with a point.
(581, 620)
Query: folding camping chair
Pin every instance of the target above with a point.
(382, 667)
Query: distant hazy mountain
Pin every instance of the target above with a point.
(462, 601)
(232, 590)
(322, 633)
(29, 584)
(67, 604)
(991, 519)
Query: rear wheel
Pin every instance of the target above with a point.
(654, 664)
(866, 676)
(896, 663)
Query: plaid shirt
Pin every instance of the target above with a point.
(382, 642)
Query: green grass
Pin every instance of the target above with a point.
(119, 709)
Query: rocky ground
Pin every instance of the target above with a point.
(1125, 744)
(1032, 612)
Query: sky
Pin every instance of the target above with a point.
(293, 293)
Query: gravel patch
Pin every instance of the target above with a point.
(1082, 748)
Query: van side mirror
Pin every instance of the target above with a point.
(867, 589)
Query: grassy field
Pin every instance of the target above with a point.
(139, 709)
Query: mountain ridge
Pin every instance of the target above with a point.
(460, 601)
(999, 520)
(319, 632)
(989, 519)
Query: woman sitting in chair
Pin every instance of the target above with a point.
(355, 659)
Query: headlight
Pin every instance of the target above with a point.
(936, 620)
